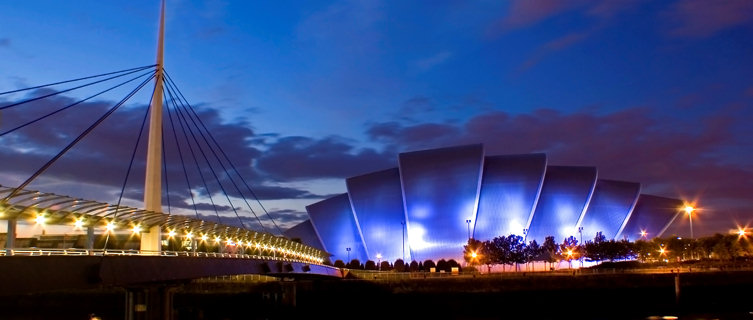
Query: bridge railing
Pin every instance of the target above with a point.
(134, 252)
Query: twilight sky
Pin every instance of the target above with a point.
(306, 93)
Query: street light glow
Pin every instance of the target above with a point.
(689, 209)
(643, 233)
(79, 223)
(171, 233)
(136, 229)
(110, 226)
(40, 219)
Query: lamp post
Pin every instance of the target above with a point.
(580, 256)
(525, 235)
(468, 222)
(689, 210)
(379, 261)
(402, 224)
(348, 250)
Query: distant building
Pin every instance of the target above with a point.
(429, 206)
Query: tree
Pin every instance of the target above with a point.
(517, 250)
(370, 265)
(428, 264)
(569, 249)
(354, 264)
(471, 252)
(339, 264)
(532, 251)
(414, 266)
(399, 266)
(549, 252)
(385, 266)
(453, 264)
(442, 265)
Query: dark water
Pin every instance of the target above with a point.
(702, 296)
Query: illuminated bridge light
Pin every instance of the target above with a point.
(110, 226)
(204, 237)
(40, 219)
(79, 223)
(136, 229)
(189, 235)
(217, 240)
(171, 233)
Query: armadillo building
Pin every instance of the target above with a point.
(436, 199)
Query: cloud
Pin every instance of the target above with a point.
(553, 46)
(428, 63)
(296, 158)
(701, 18)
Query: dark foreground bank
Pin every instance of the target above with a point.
(705, 295)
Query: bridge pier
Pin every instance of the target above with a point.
(151, 240)
(10, 237)
(146, 303)
(90, 239)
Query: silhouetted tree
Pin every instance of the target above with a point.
(339, 264)
(517, 250)
(399, 265)
(370, 265)
(453, 264)
(471, 251)
(428, 264)
(442, 265)
(549, 252)
(532, 251)
(414, 267)
(385, 266)
(354, 264)
(569, 249)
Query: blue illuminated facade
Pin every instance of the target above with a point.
(609, 208)
(510, 187)
(430, 197)
(440, 192)
(651, 215)
(377, 201)
(564, 198)
(337, 228)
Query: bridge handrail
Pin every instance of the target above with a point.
(135, 252)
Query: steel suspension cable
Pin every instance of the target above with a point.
(211, 169)
(182, 162)
(196, 162)
(227, 173)
(75, 141)
(130, 165)
(73, 104)
(64, 91)
(74, 80)
(227, 158)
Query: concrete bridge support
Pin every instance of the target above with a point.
(10, 237)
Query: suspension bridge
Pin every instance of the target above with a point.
(126, 245)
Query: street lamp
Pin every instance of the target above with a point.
(468, 222)
(525, 234)
(580, 230)
(348, 250)
(402, 224)
(689, 210)
(644, 234)
(379, 261)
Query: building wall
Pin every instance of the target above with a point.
(609, 208)
(305, 232)
(564, 198)
(377, 201)
(440, 192)
(336, 226)
(651, 214)
(509, 189)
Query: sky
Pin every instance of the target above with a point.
(303, 94)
